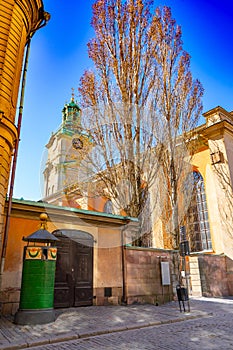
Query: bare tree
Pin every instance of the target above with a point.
(179, 107)
(137, 102)
(120, 97)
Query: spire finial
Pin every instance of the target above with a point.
(43, 221)
(72, 94)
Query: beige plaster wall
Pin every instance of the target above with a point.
(202, 162)
(222, 196)
(228, 141)
(215, 220)
(109, 258)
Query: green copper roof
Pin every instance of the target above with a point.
(75, 210)
(73, 104)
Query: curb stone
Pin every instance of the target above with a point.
(72, 336)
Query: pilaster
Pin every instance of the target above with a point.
(8, 135)
(219, 132)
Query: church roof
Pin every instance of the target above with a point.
(72, 104)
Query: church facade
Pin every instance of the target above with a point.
(208, 214)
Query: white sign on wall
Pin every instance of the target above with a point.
(165, 273)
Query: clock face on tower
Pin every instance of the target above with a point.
(77, 143)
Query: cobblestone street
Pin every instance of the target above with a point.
(210, 332)
(208, 326)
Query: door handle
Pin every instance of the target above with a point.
(72, 274)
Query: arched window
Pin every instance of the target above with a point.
(108, 207)
(197, 221)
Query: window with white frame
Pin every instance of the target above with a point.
(197, 221)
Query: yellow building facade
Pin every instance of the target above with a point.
(19, 19)
(213, 159)
(211, 258)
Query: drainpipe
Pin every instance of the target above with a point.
(45, 16)
(124, 299)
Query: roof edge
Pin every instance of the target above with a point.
(44, 205)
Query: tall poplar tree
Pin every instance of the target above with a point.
(179, 107)
(137, 100)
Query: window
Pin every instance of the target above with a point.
(108, 207)
(197, 221)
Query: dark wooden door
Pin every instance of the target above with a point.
(74, 269)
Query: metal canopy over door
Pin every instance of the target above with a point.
(74, 269)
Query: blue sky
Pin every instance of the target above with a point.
(58, 57)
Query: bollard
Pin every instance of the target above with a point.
(182, 295)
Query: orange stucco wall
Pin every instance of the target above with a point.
(19, 227)
(107, 262)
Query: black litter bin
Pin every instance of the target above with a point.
(182, 295)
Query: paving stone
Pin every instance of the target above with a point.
(129, 327)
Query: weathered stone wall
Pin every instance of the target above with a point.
(143, 281)
(229, 272)
(214, 277)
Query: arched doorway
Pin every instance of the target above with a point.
(74, 269)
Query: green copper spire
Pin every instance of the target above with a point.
(71, 115)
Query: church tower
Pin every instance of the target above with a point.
(66, 149)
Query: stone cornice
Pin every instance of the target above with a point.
(218, 129)
(32, 11)
(196, 141)
(215, 110)
(216, 115)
